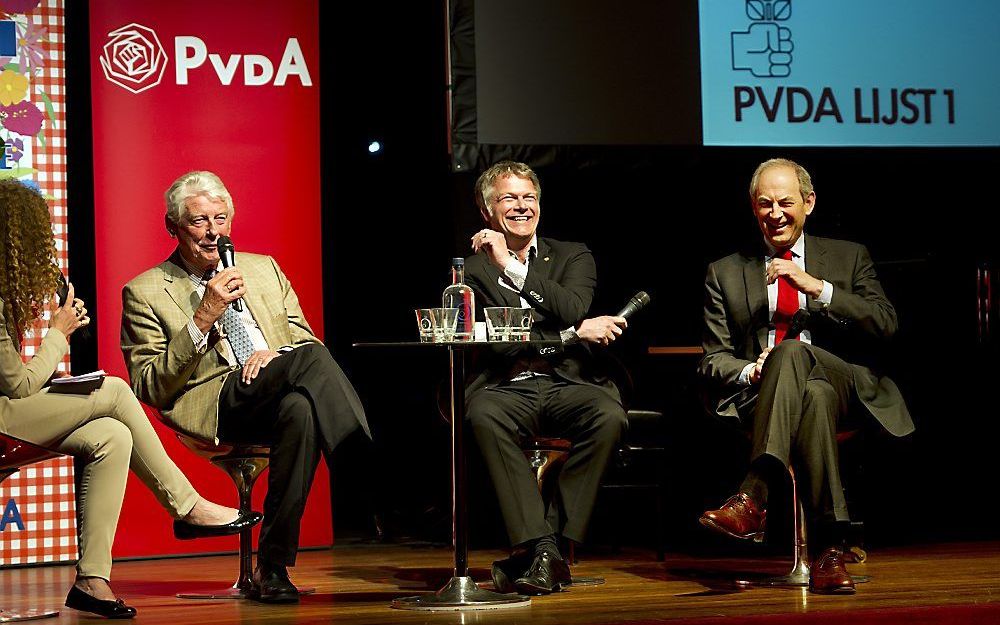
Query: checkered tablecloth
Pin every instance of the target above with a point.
(39, 514)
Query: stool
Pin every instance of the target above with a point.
(799, 574)
(14, 454)
(243, 464)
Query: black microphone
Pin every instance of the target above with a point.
(798, 323)
(227, 253)
(638, 301)
(63, 292)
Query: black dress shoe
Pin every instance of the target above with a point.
(504, 572)
(186, 531)
(271, 585)
(547, 574)
(79, 600)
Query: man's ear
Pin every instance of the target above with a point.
(485, 214)
(810, 203)
(171, 227)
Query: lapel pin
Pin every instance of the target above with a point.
(546, 259)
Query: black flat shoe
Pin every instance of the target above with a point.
(186, 531)
(79, 600)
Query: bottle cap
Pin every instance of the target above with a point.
(457, 262)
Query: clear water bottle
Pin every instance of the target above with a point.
(459, 295)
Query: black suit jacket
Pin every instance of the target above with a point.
(559, 288)
(855, 326)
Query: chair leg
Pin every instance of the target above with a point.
(799, 575)
(244, 472)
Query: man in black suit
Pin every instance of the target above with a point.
(523, 392)
(795, 395)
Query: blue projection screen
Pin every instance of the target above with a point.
(728, 72)
(850, 72)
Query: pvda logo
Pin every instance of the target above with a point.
(134, 59)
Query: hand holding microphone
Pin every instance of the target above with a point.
(227, 253)
(605, 329)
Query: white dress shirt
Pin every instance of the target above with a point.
(201, 340)
(824, 299)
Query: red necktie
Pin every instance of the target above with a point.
(788, 304)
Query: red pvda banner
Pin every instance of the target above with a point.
(230, 86)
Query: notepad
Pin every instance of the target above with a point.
(79, 384)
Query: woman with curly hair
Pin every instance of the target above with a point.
(106, 431)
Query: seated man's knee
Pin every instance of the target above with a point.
(610, 419)
(315, 351)
(483, 413)
(785, 354)
(820, 396)
(789, 348)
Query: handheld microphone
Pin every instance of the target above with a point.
(227, 253)
(798, 323)
(63, 292)
(634, 305)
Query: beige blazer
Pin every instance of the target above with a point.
(166, 370)
(19, 380)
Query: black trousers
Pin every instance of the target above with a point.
(502, 416)
(303, 405)
(806, 396)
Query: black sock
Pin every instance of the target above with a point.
(763, 471)
(548, 544)
(755, 486)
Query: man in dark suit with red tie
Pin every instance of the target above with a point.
(518, 392)
(795, 394)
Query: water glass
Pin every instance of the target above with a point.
(504, 323)
(425, 327)
(444, 322)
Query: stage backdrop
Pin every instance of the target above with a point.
(229, 86)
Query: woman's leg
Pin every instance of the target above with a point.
(101, 449)
(149, 460)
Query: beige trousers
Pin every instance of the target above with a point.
(107, 432)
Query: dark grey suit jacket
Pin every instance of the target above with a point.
(855, 326)
(559, 288)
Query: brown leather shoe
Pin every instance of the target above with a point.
(829, 576)
(739, 517)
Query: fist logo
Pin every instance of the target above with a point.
(133, 58)
(765, 48)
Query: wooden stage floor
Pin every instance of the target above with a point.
(948, 583)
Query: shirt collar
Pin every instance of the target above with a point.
(532, 250)
(798, 248)
(196, 274)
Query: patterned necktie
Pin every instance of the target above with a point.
(788, 304)
(236, 332)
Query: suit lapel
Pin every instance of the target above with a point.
(543, 260)
(815, 265)
(179, 286)
(753, 280)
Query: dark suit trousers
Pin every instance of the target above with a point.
(502, 416)
(303, 405)
(804, 400)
